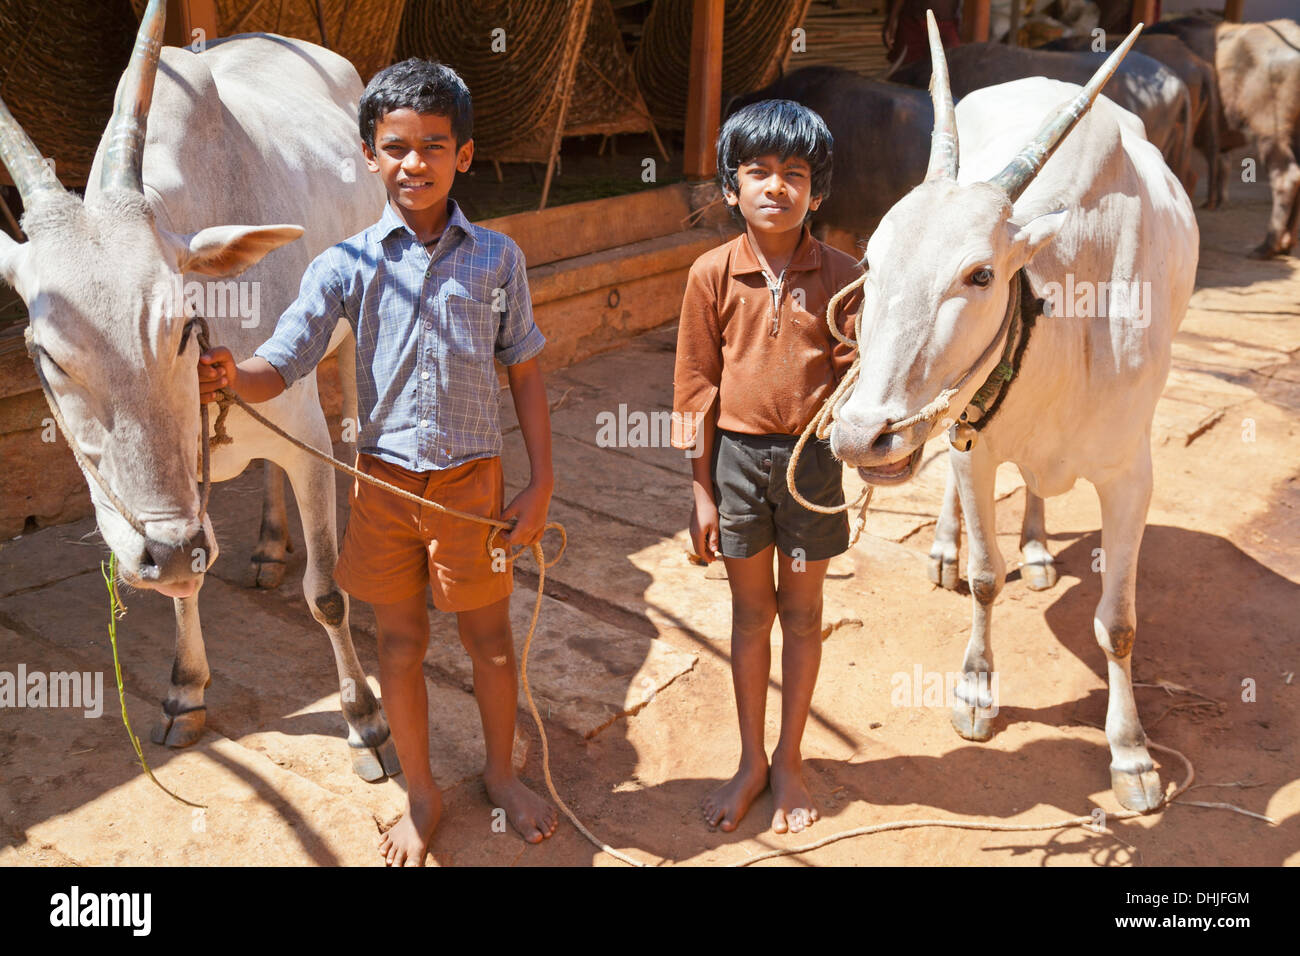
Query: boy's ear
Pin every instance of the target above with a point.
(465, 156)
(372, 164)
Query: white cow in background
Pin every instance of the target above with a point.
(940, 302)
(254, 129)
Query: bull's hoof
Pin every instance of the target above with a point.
(268, 573)
(373, 764)
(1137, 791)
(970, 724)
(1264, 251)
(942, 570)
(182, 730)
(1038, 577)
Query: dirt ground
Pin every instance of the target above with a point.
(631, 669)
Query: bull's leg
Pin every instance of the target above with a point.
(973, 708)
(273, 539)
(1124, 502)
(1222, 191)
(373, 753)
(1038, 569)
(947, 536)
(1284, 180)
(183, 709)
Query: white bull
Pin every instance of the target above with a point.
(940, 304)
(255, 129)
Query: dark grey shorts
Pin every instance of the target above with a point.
(755, 508)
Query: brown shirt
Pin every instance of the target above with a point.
(769, 364)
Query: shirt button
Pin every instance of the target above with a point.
(428, 323)
(424, 375)
(424, 423)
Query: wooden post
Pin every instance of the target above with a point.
(1144, 11)
(186, 16)
(704, 94)
(975, 21)
(1232, 10)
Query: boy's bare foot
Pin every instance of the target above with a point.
(727, 806)
(407, 841)
(533, 817)
(794, 806)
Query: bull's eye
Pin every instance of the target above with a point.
(982, 277)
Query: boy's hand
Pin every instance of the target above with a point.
(216, 371)
(529, 507)
(704, 529)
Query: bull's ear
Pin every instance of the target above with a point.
(13, 257)
(225, 251)
(1027, 240)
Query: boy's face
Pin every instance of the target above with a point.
(416, 155)
(775, 194)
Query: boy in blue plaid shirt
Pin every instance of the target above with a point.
(433, 300)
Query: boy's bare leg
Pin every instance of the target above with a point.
(485, 632)
(403, 637)
(753, 609)
(799, 604)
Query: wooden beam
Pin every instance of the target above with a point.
(704, 94)
(1144, 11)
(1232, 10)
(975, 21)
(186, 16)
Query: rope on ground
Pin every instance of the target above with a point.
(1087, 821)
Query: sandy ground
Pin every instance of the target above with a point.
(631, 664)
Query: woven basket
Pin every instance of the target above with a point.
(520, 93)
(364, 31)
(59, 67)
(756, 42)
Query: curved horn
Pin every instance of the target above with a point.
(23, 160)
(124, 136)
(943, 142)
(1020, 172)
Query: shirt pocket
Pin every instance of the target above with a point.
(471, 329)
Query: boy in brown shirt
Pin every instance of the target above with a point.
(755, 360)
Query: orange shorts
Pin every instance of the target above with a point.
(393, 549)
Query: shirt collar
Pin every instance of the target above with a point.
(390, 222)
(807, 255)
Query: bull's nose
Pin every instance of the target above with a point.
(162, 561)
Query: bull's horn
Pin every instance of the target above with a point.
(124, 136)
(1020, 172)
(943, 142)
(23, 160)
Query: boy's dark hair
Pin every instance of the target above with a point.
(783, 127)
(420, 85)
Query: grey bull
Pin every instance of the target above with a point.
(955, 274)
(254, 129)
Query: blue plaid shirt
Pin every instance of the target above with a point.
(428, 326)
